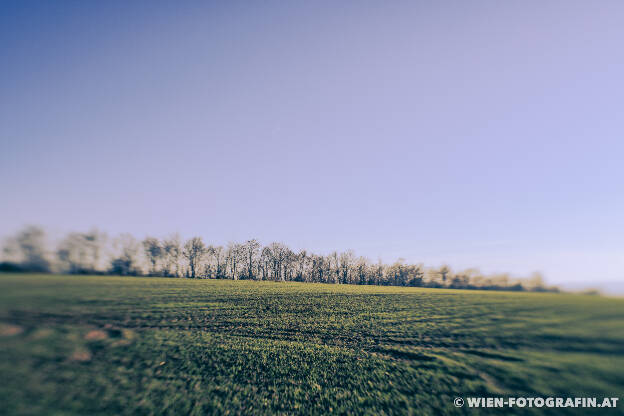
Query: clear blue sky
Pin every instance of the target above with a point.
(479, 133)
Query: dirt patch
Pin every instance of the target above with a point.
(81, 356)
(8, 330)
(96, 335)
(125, 337)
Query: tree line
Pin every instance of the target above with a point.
(94, 253)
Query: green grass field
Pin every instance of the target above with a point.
(91, 345)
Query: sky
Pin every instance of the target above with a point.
(481, 134)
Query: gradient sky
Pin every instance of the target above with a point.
(478, 133)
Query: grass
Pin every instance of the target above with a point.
(90, 345)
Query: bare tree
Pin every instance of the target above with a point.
(252, 250)
(334, 267)
(445, 272)
(125, 262)
(28, 249)
(154, 253)
(95, 241)
(265, 263)
(535, 282)
(194, 251)
(81, 252)
(415, 275)
(215, 254)
(277, 254)
(345, 263)
(70, 253)
(379, 273)
(318, 269)
(289, 261)
(361, 271)
(302, 260)
(234, 256)
(171, 256)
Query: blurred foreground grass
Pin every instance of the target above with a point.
(90, 345)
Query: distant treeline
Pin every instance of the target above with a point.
(94, 253)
